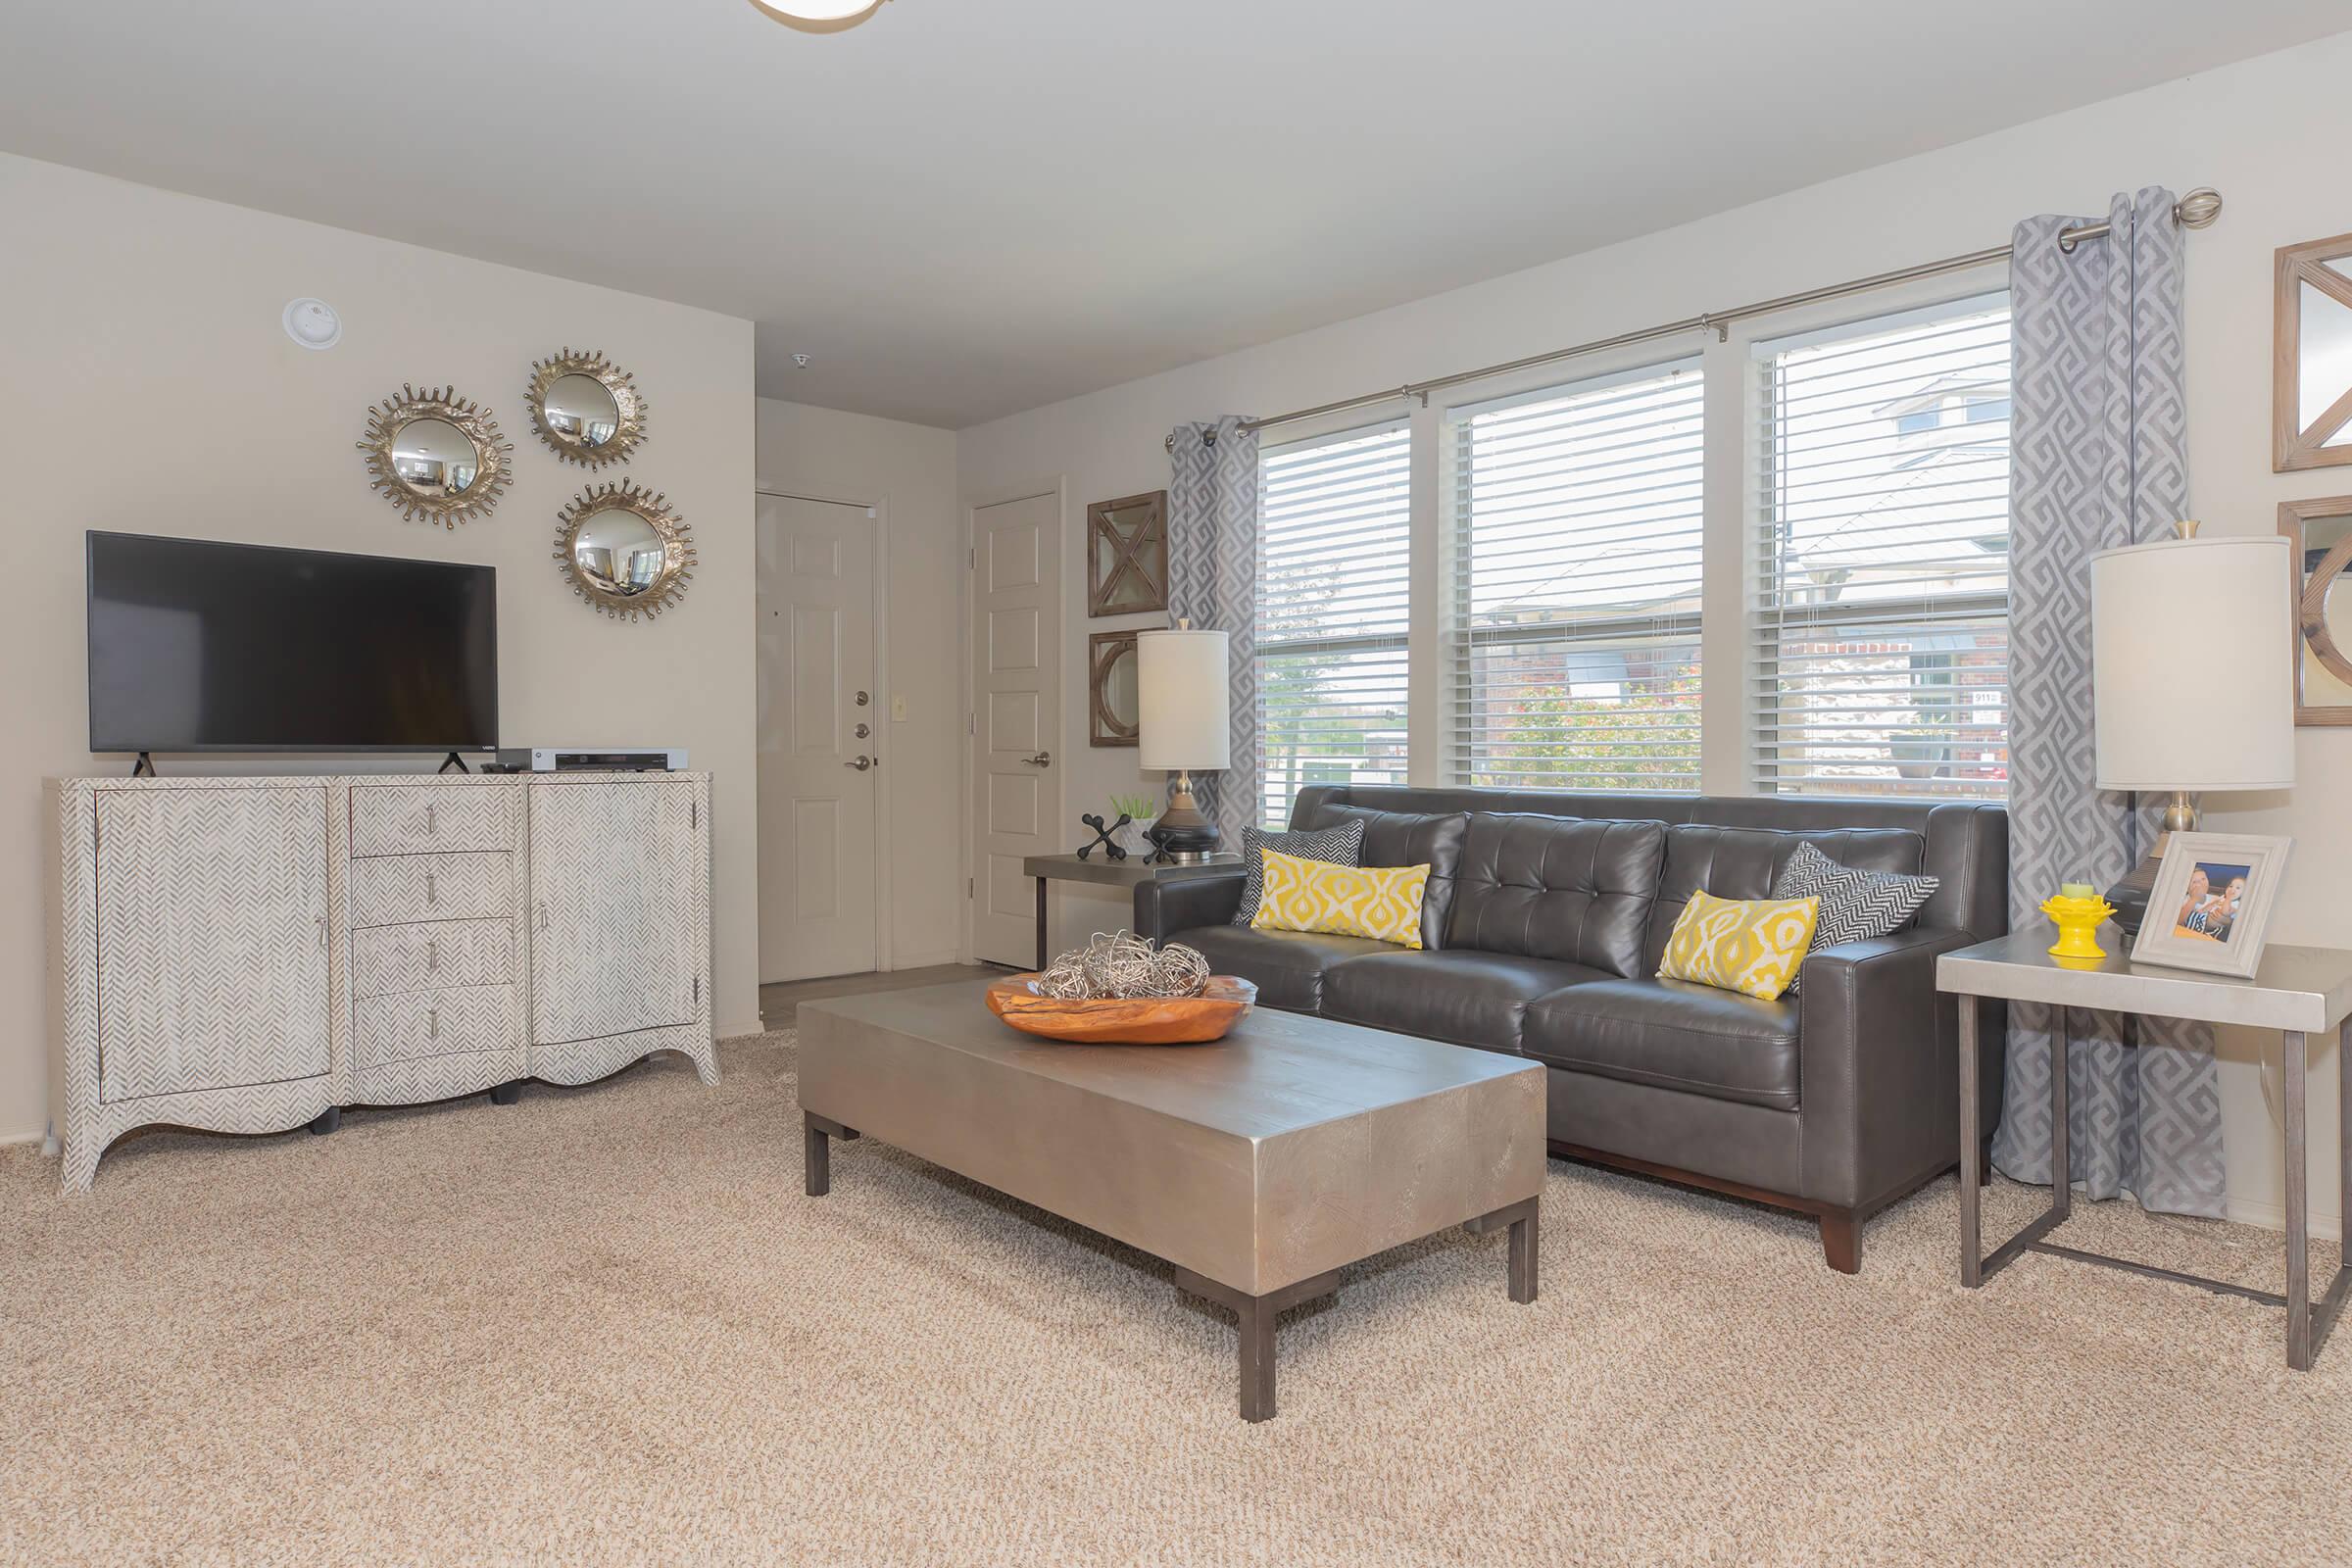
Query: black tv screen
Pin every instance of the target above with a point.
(201, 647)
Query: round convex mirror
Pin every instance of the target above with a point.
(586, 408)
(620, 552)
(623, 549)
(434, 455)
(435, 458)
(582, 408)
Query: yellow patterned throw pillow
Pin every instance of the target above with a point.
(1380, 901)
(1752, 945)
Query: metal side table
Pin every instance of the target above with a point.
(2298, 992)
(1100, 869)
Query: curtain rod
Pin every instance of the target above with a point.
(2196, 210)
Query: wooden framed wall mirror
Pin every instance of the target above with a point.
(2311, 392)
(1111, 705)
(2320, 535)
(1127, 554)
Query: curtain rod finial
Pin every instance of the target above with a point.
(2199, 207)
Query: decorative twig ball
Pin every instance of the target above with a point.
(1122, 965)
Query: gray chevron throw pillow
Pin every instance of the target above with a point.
(1856, 905)
(1333, 846)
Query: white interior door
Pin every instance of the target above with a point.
(819, 739)
(1016, 717)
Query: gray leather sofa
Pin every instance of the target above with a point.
(1545, 919)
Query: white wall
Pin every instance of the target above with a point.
(907, 473)
(151, 390)
(2269, 134)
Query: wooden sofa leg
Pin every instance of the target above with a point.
(1841, 1241)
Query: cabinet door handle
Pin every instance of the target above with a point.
(432, 954)
(428, 889)
(542, 914)
(322, 931)
(428, 816)
(432, 1023)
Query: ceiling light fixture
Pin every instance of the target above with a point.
(819, 16)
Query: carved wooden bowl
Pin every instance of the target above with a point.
(1129, 1021)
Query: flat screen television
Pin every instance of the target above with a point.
(203, 646)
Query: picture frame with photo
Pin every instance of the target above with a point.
(2211, 906)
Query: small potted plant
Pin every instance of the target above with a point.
(1141, 811)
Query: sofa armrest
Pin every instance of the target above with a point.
(1162, 908)
(1879, 1067)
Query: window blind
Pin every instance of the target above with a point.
(1881, 550)
(1333, 559)
(1572, 624)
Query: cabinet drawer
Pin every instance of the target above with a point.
(431, 954)
(447, 1022)
(396, 888)
(419, 818)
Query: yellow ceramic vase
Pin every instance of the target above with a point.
(2078, 918)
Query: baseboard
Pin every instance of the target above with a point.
(732, 1031)
(2273, 1216)
(926, 961)
(33, 1136)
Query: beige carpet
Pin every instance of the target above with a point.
(603, 1326)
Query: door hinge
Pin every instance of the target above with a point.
(694, 816)
(971, 560)
(970, 889)
(698, 989)
(971, 724)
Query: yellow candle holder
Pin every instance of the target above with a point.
(2077, 917)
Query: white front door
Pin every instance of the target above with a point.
(819, 739)
(1016, 718)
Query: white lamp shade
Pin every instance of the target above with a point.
(2192, 675)
(1183, 718)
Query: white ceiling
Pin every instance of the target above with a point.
(965, 208)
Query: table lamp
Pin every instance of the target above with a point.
(2193, 679)
(1184, 725)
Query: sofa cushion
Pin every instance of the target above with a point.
(1672, 1035)
(1403, 838)
(1741, 862)
(1470, 998)
(1286, 966)
(1557, 887)
(1335, 845)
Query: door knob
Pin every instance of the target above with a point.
(862, 765)
(1041, 759)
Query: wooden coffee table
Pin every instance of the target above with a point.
(1260, 1167)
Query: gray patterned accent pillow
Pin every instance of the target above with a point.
(1333, 846)
(1856, 905)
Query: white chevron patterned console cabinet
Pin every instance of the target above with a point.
(249, 955)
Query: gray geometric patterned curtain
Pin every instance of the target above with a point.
(2100, 458)
(1212, 578)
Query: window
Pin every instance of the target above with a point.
(1882, 583)
(1573, 619)
(1334, 556)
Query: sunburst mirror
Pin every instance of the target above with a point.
(586, 408)
(623, 549)
(436, 456)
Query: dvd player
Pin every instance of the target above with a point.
(591, 759)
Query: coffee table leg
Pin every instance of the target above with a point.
(817, 1159)
(1255, 1316)
(816, 1154)
(1523, 1256)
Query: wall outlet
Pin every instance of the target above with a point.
(897, 708)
